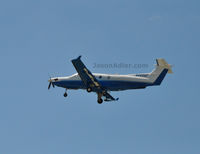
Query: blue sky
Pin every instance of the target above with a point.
(39, 38)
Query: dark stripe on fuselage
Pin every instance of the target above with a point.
(108, 85)
(112, 85)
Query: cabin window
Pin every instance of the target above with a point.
(108, 77)
(100, 77)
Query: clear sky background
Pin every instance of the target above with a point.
(38, 38)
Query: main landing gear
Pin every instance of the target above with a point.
(99, 99)
(107, 97)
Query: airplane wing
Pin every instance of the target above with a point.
(86, 76)
(89, 79)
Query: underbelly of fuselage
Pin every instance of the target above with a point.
(108, 85)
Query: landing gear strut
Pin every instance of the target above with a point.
(99, 99)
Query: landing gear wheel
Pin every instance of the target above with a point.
(100, 101)
(65, 94)
(89, 90)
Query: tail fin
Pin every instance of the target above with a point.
(162, 68)
(162, 63)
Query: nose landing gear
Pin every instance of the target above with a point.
(65, 94)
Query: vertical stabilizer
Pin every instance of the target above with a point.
(158, 74)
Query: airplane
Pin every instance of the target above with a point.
(103, 84)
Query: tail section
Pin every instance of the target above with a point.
(162, 68)
(162, 63)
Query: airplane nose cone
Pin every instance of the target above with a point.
(53, 80)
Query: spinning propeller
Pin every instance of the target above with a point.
(50, 83)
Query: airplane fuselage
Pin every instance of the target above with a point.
(101, 84)
(110, 82)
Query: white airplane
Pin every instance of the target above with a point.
(102, 84)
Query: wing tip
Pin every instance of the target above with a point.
(79, 57)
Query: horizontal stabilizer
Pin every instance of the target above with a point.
(163, 64)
